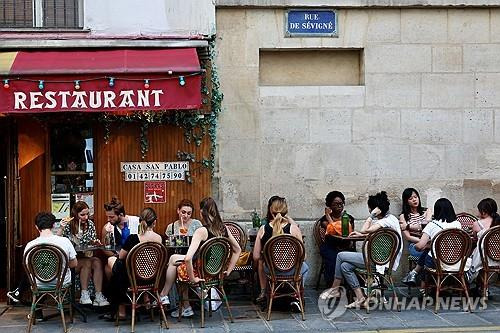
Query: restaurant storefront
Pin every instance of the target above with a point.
(72, 122)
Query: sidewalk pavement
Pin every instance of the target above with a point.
(249, 318)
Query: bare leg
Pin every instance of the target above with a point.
(97, 268)
(108, 269)
(262, 275)
(171, 273)
(185, 296)
(84, 265)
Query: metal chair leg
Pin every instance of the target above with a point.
(224, 295)
(438, 287)
(162, 311)
(301, 303)
(270, 302)
(61, 310)
(133, 311)
(203, 291)
(31, 315)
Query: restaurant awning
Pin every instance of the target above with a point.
(100, 80)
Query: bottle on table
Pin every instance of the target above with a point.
(345, 224)
(255, 219)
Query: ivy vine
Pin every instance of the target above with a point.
(196, 124)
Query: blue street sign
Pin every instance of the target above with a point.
(311, 23)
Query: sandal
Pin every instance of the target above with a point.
(358, 304)
(330, 293)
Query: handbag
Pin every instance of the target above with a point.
(243, 259)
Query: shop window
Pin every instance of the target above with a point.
(41, 14)
(72, 168)
(311, 67)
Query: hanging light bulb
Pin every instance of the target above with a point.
(40, 85)
(6, 84)
(169, 72)
(111, 82)
(77, 84)
(182, 82)
(146, 84)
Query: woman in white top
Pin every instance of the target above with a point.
(347, 262)
(444, 218)
(185, 225)
(488, 218)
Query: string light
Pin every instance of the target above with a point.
(111, 82)
(169, 72)
(146, 84)
(40, 85)
(182, 82)
(77, 84)
(6, 84)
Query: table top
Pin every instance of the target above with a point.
(351, 238)
(85, 248)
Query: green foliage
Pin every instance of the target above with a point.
(196, 125)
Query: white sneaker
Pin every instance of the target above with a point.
(187, 312)
(164, 300)
(100, 300)
(85, 298)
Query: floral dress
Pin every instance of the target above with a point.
(87, 237)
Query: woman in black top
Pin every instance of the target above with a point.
(334, 206)
(119, 283)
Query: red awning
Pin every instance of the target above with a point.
(100, 80)
(99, 61)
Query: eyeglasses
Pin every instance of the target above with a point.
(337, 203)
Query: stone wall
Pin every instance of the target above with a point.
(427, 115)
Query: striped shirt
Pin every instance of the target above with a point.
(417, 219)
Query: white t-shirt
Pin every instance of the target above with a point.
(65, 245)
(432, 229)
(133, 224)
(390, 221)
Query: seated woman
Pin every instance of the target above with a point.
(184, 267)
(444, 218)
(280, 224)
(186, 224)
(488, 218)
(347, 262)
(119, 279)
(334, 202)
(413, 219)
(81, 231)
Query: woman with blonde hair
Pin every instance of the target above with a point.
(81, 231)
(280, 224)
(184, 267)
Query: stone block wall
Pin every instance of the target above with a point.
(425, 116)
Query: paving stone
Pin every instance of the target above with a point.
(464, 319)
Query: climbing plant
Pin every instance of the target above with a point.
(196, 124)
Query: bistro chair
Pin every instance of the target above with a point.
(47, 265)
(380, 248)
(319, 239)
(284, 254)
(450, 247)
(246, 268)
(212, 262)
(145, 265)
(489, 250)
(467, 221)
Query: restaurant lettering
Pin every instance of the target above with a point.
(87, 99)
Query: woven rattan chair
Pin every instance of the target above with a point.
(380, 248)
(450, 247)
(466, 220)
(241, 237)
(489, 249)
(213, 259)
(47, 264)
(145, 265)
(319, 239)
(282, 254)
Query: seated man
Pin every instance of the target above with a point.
(44, 223)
